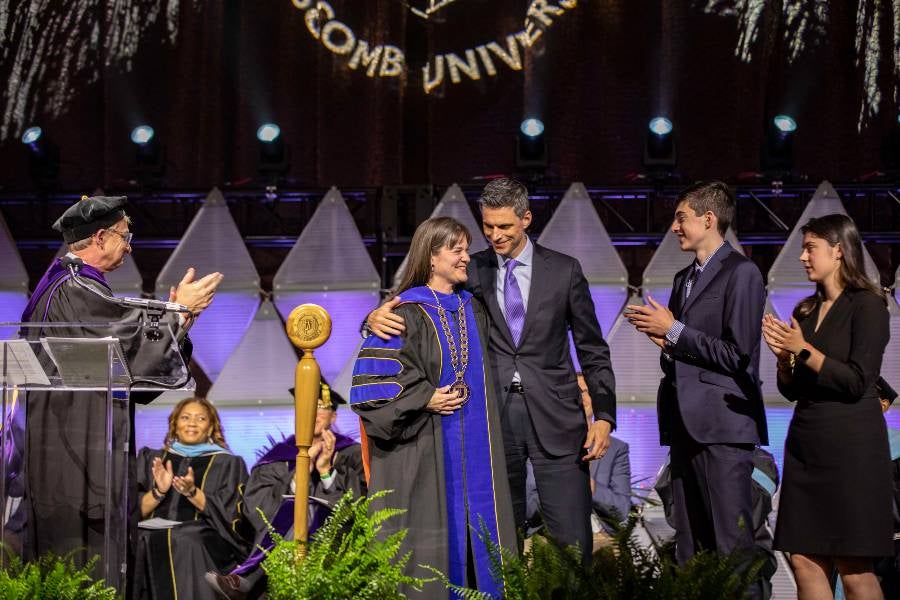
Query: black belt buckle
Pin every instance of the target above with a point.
(515, 388)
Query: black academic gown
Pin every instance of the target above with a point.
(271, 481)
(66, 433)
(215, 540)
(406, 447)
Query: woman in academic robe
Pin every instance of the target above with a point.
(192, 492)
(430, 420)
(835, 508)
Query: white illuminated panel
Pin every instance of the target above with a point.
(212, 243)
(576, 229)
(329, 254)
(261, 369)
(635, 361)
(453, 204)
(890, 365)
(330, 266)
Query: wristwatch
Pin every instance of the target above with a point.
(803, 355)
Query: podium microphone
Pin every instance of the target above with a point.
(74, 265)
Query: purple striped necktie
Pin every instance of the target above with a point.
(512, 300)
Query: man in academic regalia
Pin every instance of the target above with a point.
(66, 431)
(337, 467)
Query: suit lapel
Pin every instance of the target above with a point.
(708, 274)
(676, 300)
(540, 272)
(487, 275)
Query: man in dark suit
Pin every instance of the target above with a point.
(535, 296)
(709, 402)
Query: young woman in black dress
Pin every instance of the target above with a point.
(835, 508)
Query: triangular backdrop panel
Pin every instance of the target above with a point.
(13, 281)
(124, 281)
(787, 278)
(890, 365)
(329, 254)
(454, 204)
(261, 370)
(635, 361)
(576, 229)
(330, 266)
(213, 243)
(668, 259)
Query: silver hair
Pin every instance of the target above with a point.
(505, 192)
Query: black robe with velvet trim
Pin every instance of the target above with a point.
(66, 433)
(406, 444)
(171, 563)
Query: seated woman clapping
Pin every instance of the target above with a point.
(191, 498)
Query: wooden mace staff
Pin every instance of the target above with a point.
(308, 327)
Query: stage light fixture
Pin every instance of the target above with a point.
(43, 158)
(777, 157)
(149, 156)
(660, 126)
(532, 127)
(268, 132)
(31, 136)
(531, 147)
(274, 156)
(660, 155)
(785, 124)
(142, 134)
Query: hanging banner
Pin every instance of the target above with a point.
(449, 68)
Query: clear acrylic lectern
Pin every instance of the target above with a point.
(67, 418)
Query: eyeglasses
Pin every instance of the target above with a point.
(126, 237)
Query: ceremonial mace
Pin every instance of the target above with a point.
(308, 327)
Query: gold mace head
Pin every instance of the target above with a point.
(308, 326)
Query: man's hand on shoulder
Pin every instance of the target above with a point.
(597, 442)
(384, 322)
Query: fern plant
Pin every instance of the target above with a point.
(50, 578)
(345, 559)
(625, 570)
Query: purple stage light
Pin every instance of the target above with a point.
(11, 306)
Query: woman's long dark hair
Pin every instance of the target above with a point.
(838, 229)
(430, 236)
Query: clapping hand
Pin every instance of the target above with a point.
(326, 452)
(197, 294)
(184, 484)
(162, 475)
(783, 339)
(652, 318)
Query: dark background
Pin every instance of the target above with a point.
(602, 71)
